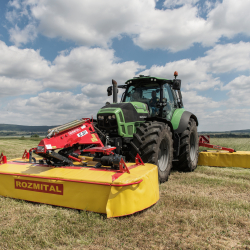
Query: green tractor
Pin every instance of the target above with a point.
(151, 120)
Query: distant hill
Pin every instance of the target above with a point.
(241, 131)
(244, 133)
(22, 128)
(226, 132)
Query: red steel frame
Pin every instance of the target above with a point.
(204, 141)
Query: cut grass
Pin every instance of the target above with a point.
(14, 148)
(206, 209)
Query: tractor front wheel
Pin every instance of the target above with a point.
(153, 141)
(189, 148)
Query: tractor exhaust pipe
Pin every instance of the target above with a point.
(115, 90)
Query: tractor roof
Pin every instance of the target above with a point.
(145, 78)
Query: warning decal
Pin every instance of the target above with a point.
(84, 132)
(93, 139)
(38, 186)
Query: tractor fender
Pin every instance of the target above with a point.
(180, 120)
(162, 120)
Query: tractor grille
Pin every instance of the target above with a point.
(110, 125)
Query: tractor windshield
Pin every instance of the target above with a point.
(148, 94)
(140, 93)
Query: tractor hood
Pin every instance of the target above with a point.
(132, 111)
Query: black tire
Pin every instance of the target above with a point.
(153, 141)
(189, 148)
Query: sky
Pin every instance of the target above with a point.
(57, 57)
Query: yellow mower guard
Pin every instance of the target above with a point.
(82, 188)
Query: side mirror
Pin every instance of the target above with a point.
(177, 84)
(109, 90)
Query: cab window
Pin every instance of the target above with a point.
(146, 93)
(168, 110)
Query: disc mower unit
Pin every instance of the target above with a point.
(221, 156)
(74, 169)
(130, 188)
(240, 159)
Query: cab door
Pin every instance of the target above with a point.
(169, 98)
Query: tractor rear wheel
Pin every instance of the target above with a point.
(189, 148)
(153, 141)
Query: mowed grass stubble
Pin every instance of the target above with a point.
(206, 209)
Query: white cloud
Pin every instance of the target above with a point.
(194, 74)
(239, 92)
(230, 114)
(200, 74)
(18, 37)
(97, 22)
(209, 5)
(88, 22)
(15, 87)
(233, 114)
(11, 16)
(83, 65)
(198, 103)
(230, 17)
(95, 90)
(15, 3)
(21, 70)
(226, 120)
(174, 30)
(22, 63)
(50, 108)
(228, 57)
(239, 83)
(238, 98)
(80, 66)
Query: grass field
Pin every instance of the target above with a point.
(206, 209)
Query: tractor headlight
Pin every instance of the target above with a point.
(100, 117)
(111, 117)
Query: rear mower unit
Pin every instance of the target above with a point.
(221, 156)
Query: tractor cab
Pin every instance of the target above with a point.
(158, 95)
